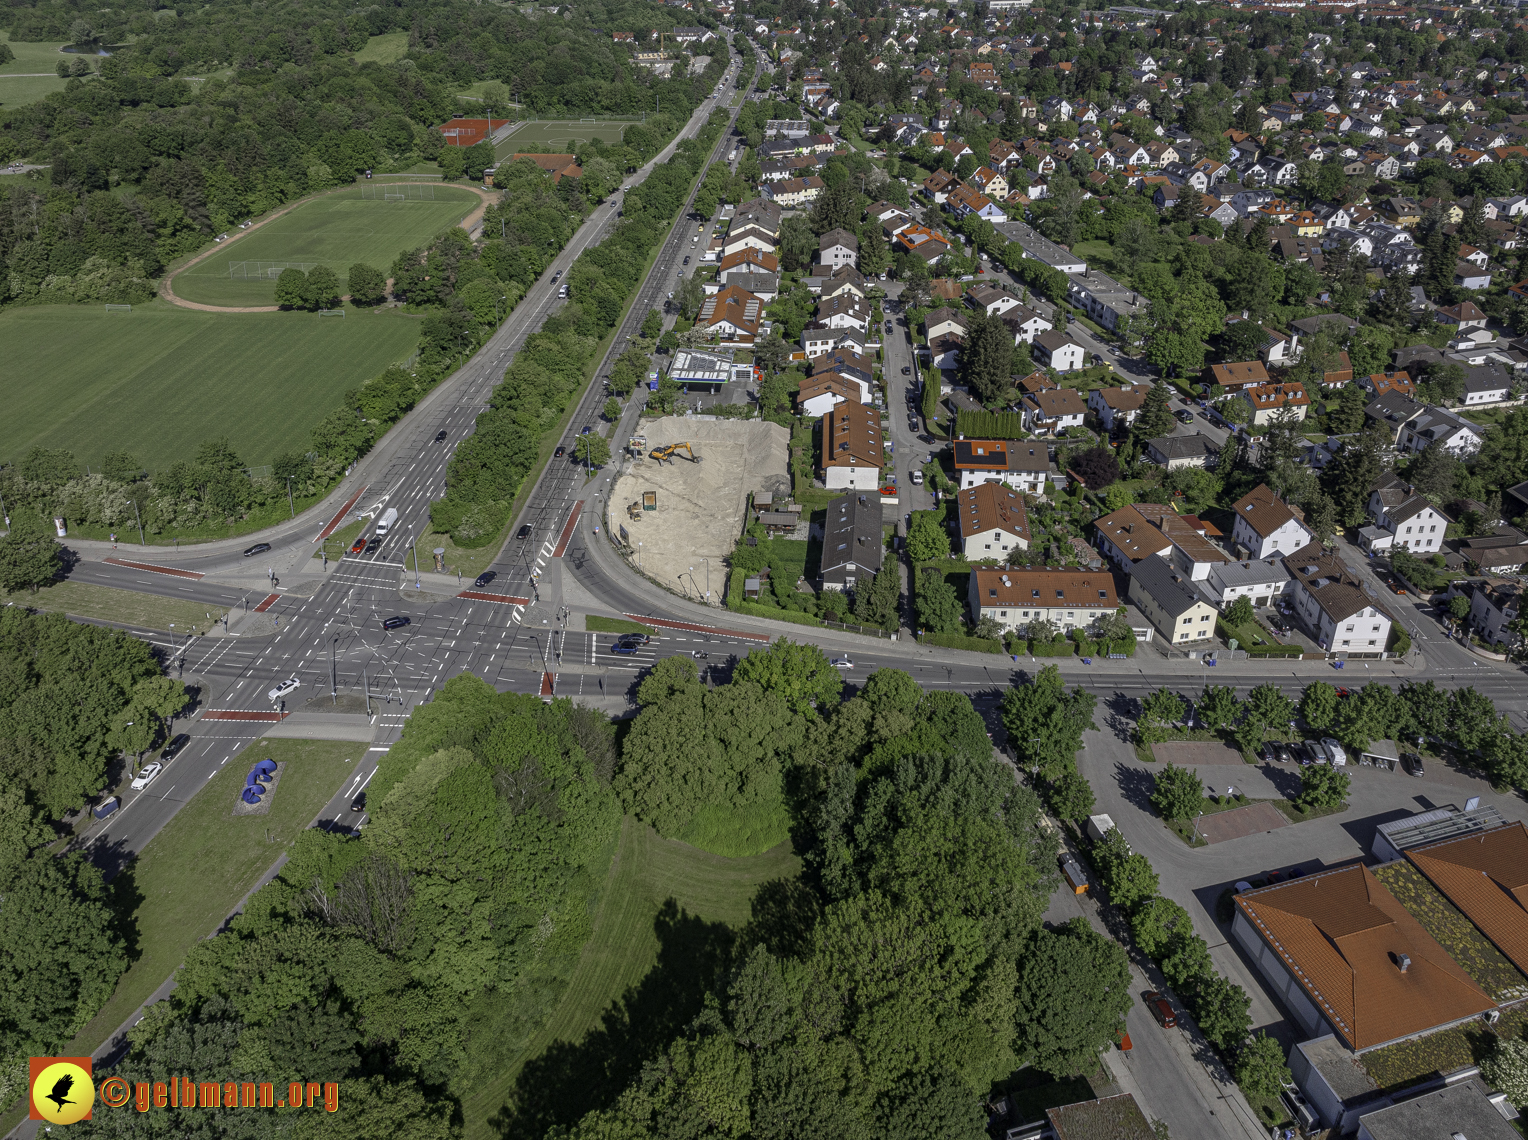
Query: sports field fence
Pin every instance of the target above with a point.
(264, 270)
(399, 192)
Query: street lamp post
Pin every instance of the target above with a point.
(334, 690)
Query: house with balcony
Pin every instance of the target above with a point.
(1401, 518)
(1331, 600)
(853, 449)
(1014, 597)
(993, 522)
(1266, 526)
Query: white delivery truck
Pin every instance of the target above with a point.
(385, 523)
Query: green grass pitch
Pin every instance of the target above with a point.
(336, 230)
(558, 134)
(159, 380)
(30, 76)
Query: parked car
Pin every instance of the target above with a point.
(687, 261)
(1307, 753)
(1334, 752)
(282, 689)
(906, 371)
(1412, 763)
(1285, 754)
(173, 749)
(145, 775)
(917, 478)
(1269, 754)
(1161, 1009)
(484, 578)
(258, 548)
(397, 622)
(1184, 416)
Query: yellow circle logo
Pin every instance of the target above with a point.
(63, 1093)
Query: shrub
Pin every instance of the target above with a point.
(1260, 1067)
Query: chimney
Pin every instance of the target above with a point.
(1405, 961)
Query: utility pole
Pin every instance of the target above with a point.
(290, 503)
(136, 515)
(334, 691)
(366, 688)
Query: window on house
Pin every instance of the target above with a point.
(1408, 530)
(1349, 629)
(1188, 621)
(1034, 593)
(1347, 643)
(1002, 613)
(988, 546)
(1371, 641)
(1205, 617)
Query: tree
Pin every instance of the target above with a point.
(1070, 796)
(927, 538)
(772, 353)
(1241, 612)
(1222, 1009)
(800, 674)
(1159, 711)
(691, 297)
(652, 324)
(1506, 1069)
(1158, 925)
(292, 289)
(1318, 705)
(875, 603)
(593, 449)
(1219, 707)
(29, 556)
(1434, 472)
(1177, 793)
(1073, 994)
(986, 361)
(1156, 418)
(1260, 1067)
(368, 285)
(1096, 466)
(1322, 786)
(1130, 879)
(321, 290)
(939, 606)
(1045, 723)
(1266, 705)
(1179, 325)
(612, 410)
(1347, 416)
(1197, 487)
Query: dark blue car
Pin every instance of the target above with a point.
(623, 648)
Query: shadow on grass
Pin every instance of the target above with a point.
(557, 1088)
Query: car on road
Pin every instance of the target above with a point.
(1161, 1009)
(258, 548)
(624, 648)
(285, 687)
(559, 453)
(556, 276)
(172, 749)
(842, 663)
(484, 578)
(687, 261)
(397, 622)
(148, 772)
(926, 438)
(358, 545)
(888, 326)
(524, 531)
(1184, 416)
(372, 544)
(634, 638)
(906, 371)
(440, 436)
(359, 803)
(1412, 764)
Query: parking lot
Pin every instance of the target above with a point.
(1195, 877)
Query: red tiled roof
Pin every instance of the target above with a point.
(1485, 876)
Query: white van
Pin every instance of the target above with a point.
(384, 524)
(563, 292)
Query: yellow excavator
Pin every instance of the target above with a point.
(669, 451)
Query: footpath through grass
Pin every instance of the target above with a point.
(160, 380)
(646, 873)
(206, 859)
(30, 76)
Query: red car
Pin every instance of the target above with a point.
(358, 545)
(1162, 1010)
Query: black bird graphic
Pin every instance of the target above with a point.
(60, 1093)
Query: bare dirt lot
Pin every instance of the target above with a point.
(700, 505)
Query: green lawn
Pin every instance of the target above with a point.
(129, 607)
(30, 76)
(336, 230)
(384, 49)
(160, 380)
(555, 134)
(206, 859)
(622, 954)
(596, 624)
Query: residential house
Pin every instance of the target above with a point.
(1175, 451)
(1268, 402)
(852, 448)
(821, 392)
(1059, 351)
(1015, 597)
(1402, 518)
(733, 315)
(1117, 408)
(852, 541)
(1025, 324)
(990, 182)
(1258, 580)
(844, 311)
(922, 241)
(1465, 315)
(1486, 386)
(1226, 379)
(1021, 464)
(943, 321)
(1266, 526)
(1435, 425)
(1331, 600)
(1052, 412)
(795, 192)
(992, 520)
(837, 248)
(1170, 602)
(1493, 608)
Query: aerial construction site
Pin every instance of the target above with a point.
(682, 503)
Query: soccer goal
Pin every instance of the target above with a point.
(119, 308)
(399, 192)
(264, 270)
(331, 312)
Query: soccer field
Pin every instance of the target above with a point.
(336, 230)
(560, 136)
(159, 380)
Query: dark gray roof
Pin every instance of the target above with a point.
(1461, 1109)
(852, 537)
(1486, 378)
(1171, 590)
(1183, 446)
(1309, 326)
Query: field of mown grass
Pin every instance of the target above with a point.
(160, 380)
(646, 875)
(30, 76)
(336, 230)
